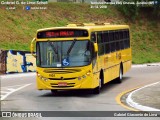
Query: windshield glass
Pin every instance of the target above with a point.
(63, 53)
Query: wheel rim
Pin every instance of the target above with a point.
(100, 83)
(120, 74)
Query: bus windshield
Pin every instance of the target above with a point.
(63, 53)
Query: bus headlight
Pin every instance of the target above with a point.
(45, 79)
(88, 73)
(82, 77)
(42, 78)
(85, 75)
(38, 75)
(79, 78)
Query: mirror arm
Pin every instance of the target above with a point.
(95, 47)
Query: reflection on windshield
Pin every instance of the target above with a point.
(55, 54)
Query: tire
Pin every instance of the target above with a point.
(54, 91)
(120, 77)
(98, 89)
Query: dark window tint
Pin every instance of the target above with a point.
(125, 43)
(121, 45)
(100, 49)
(107, 48)
(99, 37)
(106, 36)
(116, 36)
(125, 34)
(121, 35)
(128, 43)
(112, 46)
(117, 46)
(93, 37)
(111, 36)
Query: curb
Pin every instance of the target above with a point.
(146, 65)
(119, 101)
(137, 105)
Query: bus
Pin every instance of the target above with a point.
(81, 56)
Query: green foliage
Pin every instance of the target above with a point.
(19, 27)
(129, 10)
(132, 11)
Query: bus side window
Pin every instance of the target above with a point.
(112, 42)
(117, 40)
(126, 40)
(116, 36)
(120, 35)
(38, 57)
(99, 37)
(100, 43)
(93, 37)
(121, 40)
(106, 42)
(112, 46)
(111, 36)
(107, 48)
(106, 36)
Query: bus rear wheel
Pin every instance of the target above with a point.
(119, 79)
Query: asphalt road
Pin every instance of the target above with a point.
(23, 96)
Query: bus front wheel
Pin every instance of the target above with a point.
(97, 89)
(54, 91)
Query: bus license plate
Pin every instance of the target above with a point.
(62, 84)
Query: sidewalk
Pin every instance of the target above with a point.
(146, 98)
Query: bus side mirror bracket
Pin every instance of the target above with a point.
(95, 47)
(32, 47)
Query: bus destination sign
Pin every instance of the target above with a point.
(62, 33)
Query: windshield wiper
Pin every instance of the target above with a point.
(52, 46)
(54, 49)
(70, 48)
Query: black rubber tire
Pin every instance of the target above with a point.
(96, 90)
(54, 91)
(120, 77)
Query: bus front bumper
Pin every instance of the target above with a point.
(85, 83)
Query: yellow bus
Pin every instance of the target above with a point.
(81, 56)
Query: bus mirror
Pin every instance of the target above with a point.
(32, 47)
(95, 47)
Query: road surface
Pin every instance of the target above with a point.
(18, 93)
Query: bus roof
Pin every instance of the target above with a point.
(92, 27)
